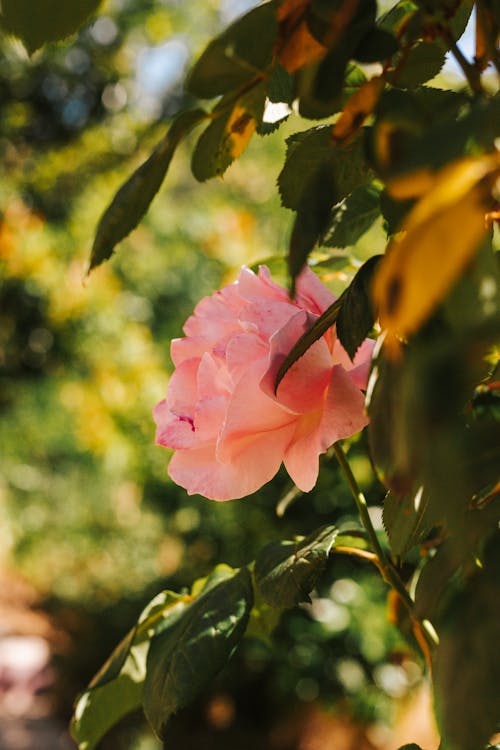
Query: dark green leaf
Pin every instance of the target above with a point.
(324, 322)
(314, 109)
(468, 660)
(285, 572)
(410, 746)
(280, 87)
(340, 27)
(377, 44)
(37, 23)
(317, 174)
(393, 211)
(240, 53)
(461, 17)
(312, 218)
(116, 690)
(356, 315)
(428, 127)
(311, 151)
(352, 217)
(134, 197)
(423, 62)
(188, 653)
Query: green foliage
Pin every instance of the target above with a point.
(352, 217)
(46, 21)
(421, 158)
(117, 688)
(286, 572)
(195, 644)
(357, 315)
(240, 53)
(421, 63)
(134, 197)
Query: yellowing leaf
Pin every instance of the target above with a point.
(411, 185)
(439, 237)
(240, 128)
(300, 49)
(358, 107)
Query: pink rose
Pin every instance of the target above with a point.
(230, 431)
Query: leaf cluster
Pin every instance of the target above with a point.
(426, 161)
(181, 641)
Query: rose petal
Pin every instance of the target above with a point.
(258, 288)
(312, 294)
(250, 413)
(359, 369)
(173, 431)
(182, 388)
(200, 471)
(242, 349)
(188, 348)
(212, 377)
(342, 417)
(303, 387)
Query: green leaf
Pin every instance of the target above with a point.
(263, 621)
(280, 87)
(316, 175)
(377, 44)
(309, 106)
(312, 218)
(241, 52)
(134, 197)
(285, 572)
(423, 62)
(356, 316)
(116, 690)
(352, 217)
(461, 17)
(311, 151)
(428, 127)
(393, 211)
(467, 663)
(228, 134)
(191, 650)
(37, 23)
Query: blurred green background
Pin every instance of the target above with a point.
(87, 513)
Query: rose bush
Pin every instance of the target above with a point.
(231, 432)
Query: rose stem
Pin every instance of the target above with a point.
(389, 573)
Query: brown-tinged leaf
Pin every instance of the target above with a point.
(300, 49)
(360, 105)
(229, 133)
(441, 234)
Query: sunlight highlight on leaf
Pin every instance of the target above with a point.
(441, 235)
(360, 105)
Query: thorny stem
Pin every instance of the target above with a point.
(427, 635)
